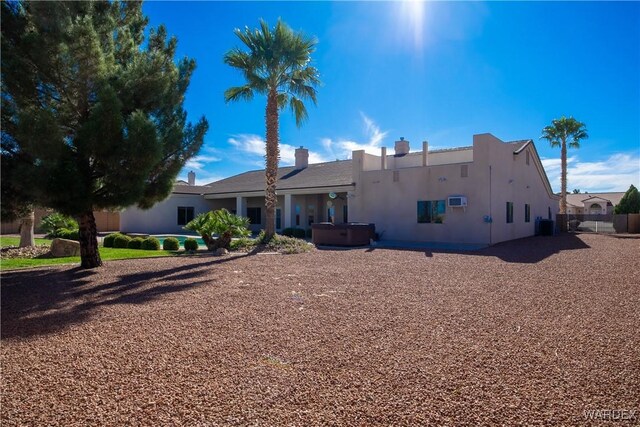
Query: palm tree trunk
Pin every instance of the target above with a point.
(89, 255)
(26, 230)
(563, 177)
(272, 157)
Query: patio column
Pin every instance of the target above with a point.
(241, 206)
(287, 210)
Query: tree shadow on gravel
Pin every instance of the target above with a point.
(528, 250)
(45, 301)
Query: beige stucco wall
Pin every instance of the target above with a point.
(163, 217)
(495, 176)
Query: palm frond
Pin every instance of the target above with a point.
(299, 110)
(237, 93)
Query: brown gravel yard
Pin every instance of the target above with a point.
(531, 332)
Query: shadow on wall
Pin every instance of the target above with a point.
(41, 302)
(524, 251)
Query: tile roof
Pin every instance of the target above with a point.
(329, 174)
(180, 188)
(579, 199)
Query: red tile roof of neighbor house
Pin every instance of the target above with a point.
(579, 198)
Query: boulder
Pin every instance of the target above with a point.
(64, 248)
(220, 252)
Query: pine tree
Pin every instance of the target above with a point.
(92, 113)
(630, 202)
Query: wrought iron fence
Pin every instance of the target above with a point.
(608, 223)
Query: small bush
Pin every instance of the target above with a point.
(107, 242)
(289, 245)
(135, 243)
(121, 241)
(151, 244)
(243, 244)
(309, 233)
(294, 232)
(190, 244)
(171, 244)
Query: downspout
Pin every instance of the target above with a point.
(490, 210)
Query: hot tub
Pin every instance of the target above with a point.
(349, 234)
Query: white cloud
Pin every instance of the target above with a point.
(342, 148)
(199, 162)
(615, 173)
(254, 146)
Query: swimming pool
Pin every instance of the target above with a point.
(181, 239)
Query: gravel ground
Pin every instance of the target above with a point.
(531, 332)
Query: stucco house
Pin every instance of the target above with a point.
(486, 193)
(593, 203)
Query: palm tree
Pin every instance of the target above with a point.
(560, 132)
(277, 65)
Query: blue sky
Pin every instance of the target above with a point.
(440, 71)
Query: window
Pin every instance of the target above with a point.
(431, 211)
(254, 215)
(185, 214)
(509, 212)
(464, 171)
(527, 213)
(278, 218)
(345, 213)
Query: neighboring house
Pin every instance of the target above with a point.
(486, 193)
(592, 203)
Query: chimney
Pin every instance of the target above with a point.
(383, 158)
(302, 157)
(191, 178)
(402, 147)
(425, 153)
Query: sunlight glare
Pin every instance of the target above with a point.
(412, 21)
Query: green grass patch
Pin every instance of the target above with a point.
(107, 254)
(15, 241)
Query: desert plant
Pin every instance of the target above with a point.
(55, 221)
(278, 65)
(107, 242)
(190, 244)
(135, 243)
(171, 244)
(221, 223)
(151, 244)
(121, 241)
(561, 133)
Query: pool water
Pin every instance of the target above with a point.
(181, 239)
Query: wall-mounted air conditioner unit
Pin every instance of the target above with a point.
(457, 201)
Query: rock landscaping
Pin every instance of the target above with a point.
(531, 332)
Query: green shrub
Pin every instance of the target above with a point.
(171, 244)
(135, 243)
(294, 232)
(64, 233)
(151, 244)
(121, 241)
(51, 223)
(289, 245)
(221, 223)
(243, 244)
(107, 241)
(309, 233)
(190, 244)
